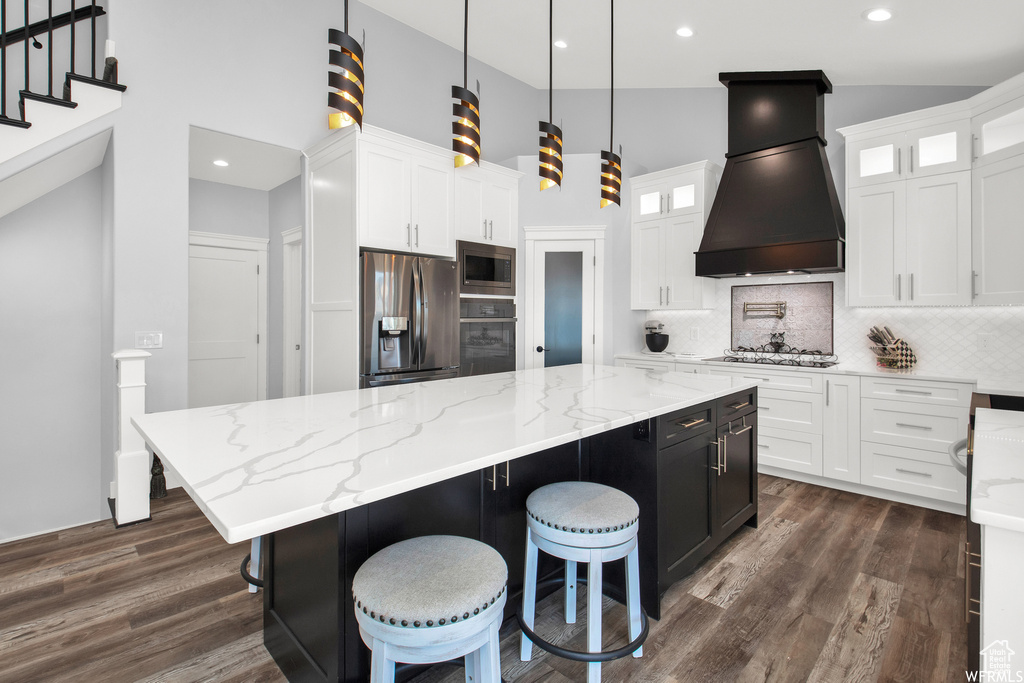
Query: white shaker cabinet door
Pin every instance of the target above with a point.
(841, 428)
(938, 271)
(998, 209)
(385, 219)
(876, 218)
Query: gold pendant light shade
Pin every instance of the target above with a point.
(346, 83)
(611, 179)
(466, 126)
(550, 155)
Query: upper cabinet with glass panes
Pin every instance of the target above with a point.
(910, 151)
(998, 122)
(664, 195)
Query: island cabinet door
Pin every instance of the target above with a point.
(685, 530)
(735, 482)
(505, 490)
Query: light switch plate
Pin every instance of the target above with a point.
(149, 340)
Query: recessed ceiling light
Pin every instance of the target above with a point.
(219, 162)
(561, 43)
(684, 32)
(879, 14)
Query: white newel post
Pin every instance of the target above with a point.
(130, 488)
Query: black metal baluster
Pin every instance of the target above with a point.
(92, 19)
(3, 59)
(49, 48)
(73, 22)
(28, 37)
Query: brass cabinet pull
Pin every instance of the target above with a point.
(718, 456)
(744, 428)
(967, 583)
(737, 406)
(692, 423)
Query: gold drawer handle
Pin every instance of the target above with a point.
(692, 423)
(737, 406)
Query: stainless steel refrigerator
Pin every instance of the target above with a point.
(409, 311)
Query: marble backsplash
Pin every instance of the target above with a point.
(800, 312)
(974, 340)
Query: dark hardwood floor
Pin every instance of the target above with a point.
(831, 587)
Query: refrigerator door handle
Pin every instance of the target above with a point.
(418, 312)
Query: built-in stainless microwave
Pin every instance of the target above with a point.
(486, 269)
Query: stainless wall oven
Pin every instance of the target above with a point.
(487, 336)
(486, 269)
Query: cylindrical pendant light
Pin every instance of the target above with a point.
(550, 155)
(347, 84)
(611, 163)
(466, 110)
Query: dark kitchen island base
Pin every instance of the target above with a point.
(309, 623)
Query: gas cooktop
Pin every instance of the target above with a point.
(797, 361)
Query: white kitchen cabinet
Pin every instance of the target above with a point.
(997, 122)
(654, 365)
(909, 242)
(998, 208)
(841, 429)
(913, 152)
(487, 198)
(668, 193)
(906, 429)
(669, 214)
(406, 197)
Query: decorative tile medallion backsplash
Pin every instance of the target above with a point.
(946, 340)
(801, 311)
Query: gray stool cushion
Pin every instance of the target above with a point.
(430, 581)
(582, 507)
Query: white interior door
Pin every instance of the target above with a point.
(292, 312)
(563, 303)
(223, 326)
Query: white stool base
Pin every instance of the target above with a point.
(625, 545)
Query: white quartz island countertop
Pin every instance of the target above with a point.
(256, 468)
(997, 491)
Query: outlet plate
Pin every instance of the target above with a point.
(984, 341)
(149, 340)
(694, 334)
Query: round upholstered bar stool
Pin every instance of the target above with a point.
(431, 599)
(580, 521)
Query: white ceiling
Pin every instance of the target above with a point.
(927, 42)
(256, 165)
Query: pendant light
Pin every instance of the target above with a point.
(611, 163)
(551, 142)
(465, 109)
(347, 84)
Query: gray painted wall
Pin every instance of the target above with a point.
(51, 285)
(228, 210)
(286, 212)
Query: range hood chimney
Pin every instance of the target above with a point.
(776, 209)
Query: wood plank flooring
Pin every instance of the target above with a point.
(832, 586)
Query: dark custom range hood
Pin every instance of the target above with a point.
(776, 210)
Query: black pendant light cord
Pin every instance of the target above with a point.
(465, 47)
(611, 50)
(551, 60)
(346, 16)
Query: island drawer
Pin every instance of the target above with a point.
(737, 405)
(683, 424)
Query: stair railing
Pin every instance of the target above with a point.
(48, 27)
